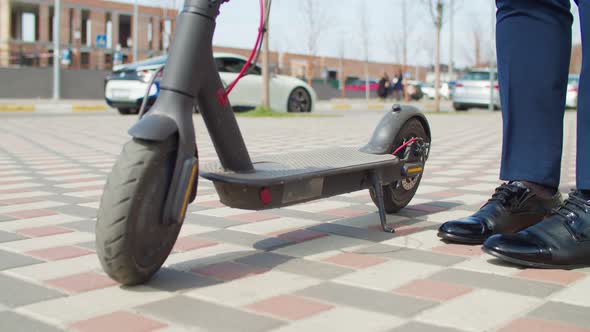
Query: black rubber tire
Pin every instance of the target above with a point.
(395, 196)
(460, 107)
(299, 101)
(124, 111)
(131, 242)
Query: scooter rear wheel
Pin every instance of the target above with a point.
(131, 241)
(398, 195)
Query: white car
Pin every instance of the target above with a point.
(125, 88)
(473, 90)
(571, 100)
(429, 91)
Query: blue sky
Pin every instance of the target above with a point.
(238, 23)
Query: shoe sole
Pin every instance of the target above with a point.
(458, 239)
(535, 265)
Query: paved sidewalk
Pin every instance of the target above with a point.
(312, 267)
(48, 106)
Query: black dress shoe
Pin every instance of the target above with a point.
(561, 241)
(513, 207)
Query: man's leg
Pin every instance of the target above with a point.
(534, 50)
(534, 46)
(583, 145)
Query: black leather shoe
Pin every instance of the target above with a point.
(513, 207)
(561, 241)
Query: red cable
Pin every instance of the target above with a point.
(404, 145)
(252, 54)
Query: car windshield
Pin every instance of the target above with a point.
(478, 76)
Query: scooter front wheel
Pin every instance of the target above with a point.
(132, 243)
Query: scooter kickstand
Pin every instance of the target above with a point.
(378, 188)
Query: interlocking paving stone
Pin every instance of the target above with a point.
(186, 311)
(171, 280)
(88, 225)
(540, 325)
(414, 255)
(13, 322)
(564, 312)
(76, 210)
(576, 293)
(496, 282)
(367, 299)
(246, 239)
(352, 232)
(124, 321)
(8, 237)
(422, 327)
(9, 260)
(211, 221)
(322, 245)
(15, 293)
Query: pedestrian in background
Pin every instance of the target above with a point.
(398, 86)
(384, 87)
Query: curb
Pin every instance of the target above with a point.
(53, 108)
(350, 106)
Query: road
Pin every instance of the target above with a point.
(324, 264)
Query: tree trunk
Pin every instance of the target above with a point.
(266, 66)
(439, 12)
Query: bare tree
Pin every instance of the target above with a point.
(314, 17)
(365, 42)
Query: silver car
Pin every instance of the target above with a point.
(473, 90)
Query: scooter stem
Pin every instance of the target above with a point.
(191, 72)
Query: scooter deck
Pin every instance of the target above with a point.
(287, 179)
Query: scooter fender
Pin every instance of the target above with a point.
(382, 140)
(154, 127)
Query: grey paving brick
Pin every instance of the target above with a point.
(8, 237)
(208, 221)
(9, 260)
(246, 239)
(367, 299)
(76, 210)
(302, 215)
(565, 313)
(320, 245)
(88, 245)
(496, 282)
(88, 225)
(354, 232)
(15, 293)
(6, 218)
(413, 255)
(211, 317)
(13, 322)
(294, 265)
(171, 280)
(422, 327)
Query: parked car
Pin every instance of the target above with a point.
(473, 90)
(429, 90)
(126, 86)
(571, 100)
(361, 85)
(415, 90)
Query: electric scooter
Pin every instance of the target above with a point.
(155, 178)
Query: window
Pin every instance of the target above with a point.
(86, 34)
(150, 33)
(234, 65)
(478, 76)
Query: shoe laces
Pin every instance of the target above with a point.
(572, 206)
(505, 193)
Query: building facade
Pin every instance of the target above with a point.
(94, 34)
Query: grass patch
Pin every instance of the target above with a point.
(262, 112)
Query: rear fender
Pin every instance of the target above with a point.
(382, 140)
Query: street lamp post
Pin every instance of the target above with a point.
(266, 63)
(492, 62)
(56, 50)
(135, 30)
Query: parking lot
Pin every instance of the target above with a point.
(309, 267)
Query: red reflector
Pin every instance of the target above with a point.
(265, 196)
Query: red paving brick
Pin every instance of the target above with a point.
(17, 201)
(26, 214)
(118, 321)
(229, 271)
(560, 277)
(432, 290)
(539, 325)
(254, 217)
(346, 213)
(301, 235)
(190, 243)
(289, 307)
(82, 282)
(58, 253)
(459, 250)
(43, 231)
(357, 261)
(14, 191)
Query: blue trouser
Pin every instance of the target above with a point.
(534, 50)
